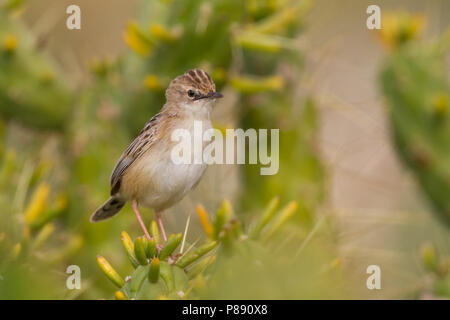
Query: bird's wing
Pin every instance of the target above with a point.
(139, 145)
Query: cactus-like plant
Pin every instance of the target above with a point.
(30, 84)
(30, 239)
(414, 82)
(162, 272)
(437, 266)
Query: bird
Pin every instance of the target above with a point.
(145, 174)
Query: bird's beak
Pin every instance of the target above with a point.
(211, 95)
(215, 95)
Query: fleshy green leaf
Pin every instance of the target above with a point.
(195, 254)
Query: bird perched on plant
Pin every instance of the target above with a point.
(145, 173)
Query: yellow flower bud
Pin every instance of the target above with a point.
(440, 103)
(10, 43)
(281, 218)
(17, 249)
(109, 271)
(128, 245)
(38, 203)
(160, 32)
(204, 220)
(137, 40)
(429, 257)
(152, 82)
(154, 232)
(398, 29)
(120, 296)
(251, 84)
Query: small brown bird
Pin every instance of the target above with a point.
(145, 173)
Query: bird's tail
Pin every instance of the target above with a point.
(108, 209)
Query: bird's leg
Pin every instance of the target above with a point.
(158, 217)
(134, 205)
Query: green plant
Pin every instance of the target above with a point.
(230, 250)
(414, 82)
(437, 267)
(31, 242)
(30, 84)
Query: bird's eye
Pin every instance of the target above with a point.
(191, 93)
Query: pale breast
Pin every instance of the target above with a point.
(156, 181)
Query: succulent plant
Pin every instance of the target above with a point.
(160, 272)
(30, 84)
(437, 266)
(415, 85)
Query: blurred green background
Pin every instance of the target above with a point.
(364, 125)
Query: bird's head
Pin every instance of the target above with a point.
(194, 90)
